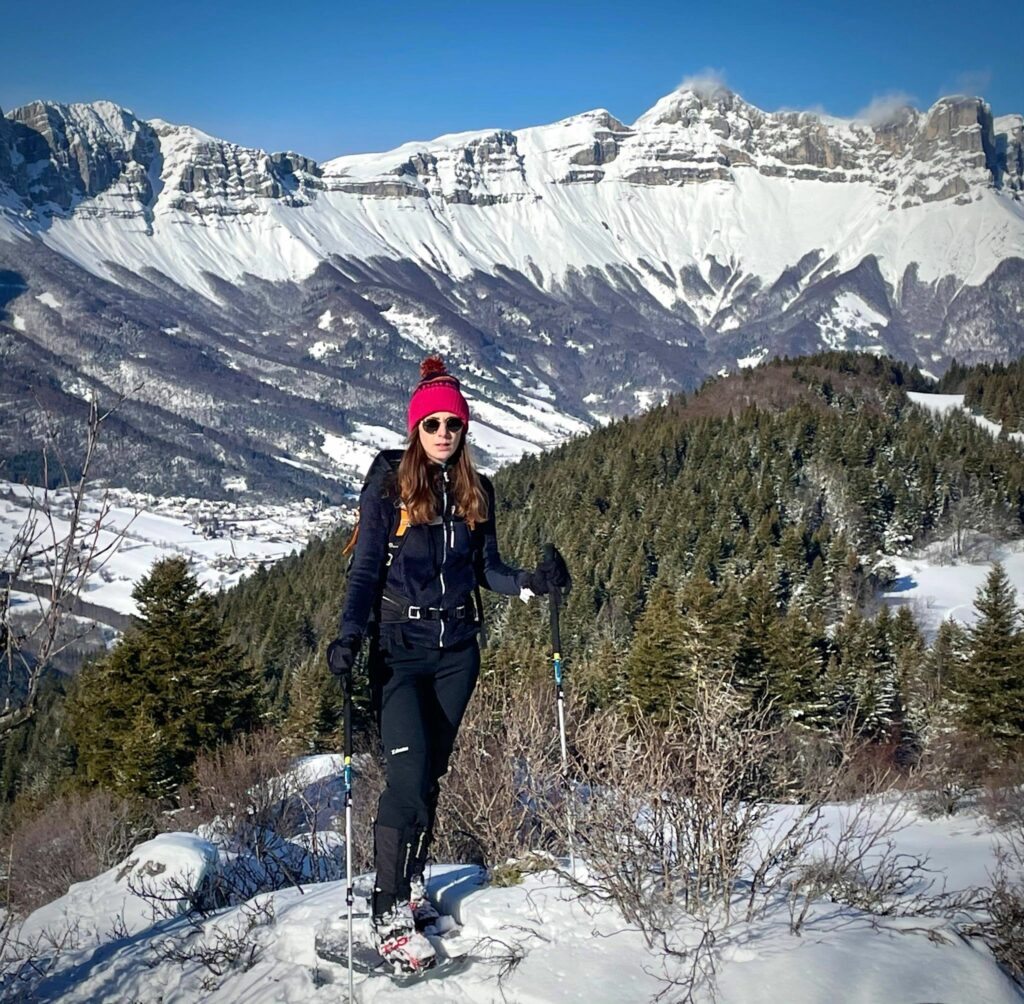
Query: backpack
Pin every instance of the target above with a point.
(397, 537)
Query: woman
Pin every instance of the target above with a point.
(426, 540)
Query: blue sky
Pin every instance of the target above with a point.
(330, 78)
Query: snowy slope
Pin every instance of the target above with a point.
(569, 948)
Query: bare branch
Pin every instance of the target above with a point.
(54, 563)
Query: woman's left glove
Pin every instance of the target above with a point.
(551, 573)
(341, 656)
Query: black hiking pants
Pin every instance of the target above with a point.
(419, 696)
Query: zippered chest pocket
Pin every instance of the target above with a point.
(461, 542)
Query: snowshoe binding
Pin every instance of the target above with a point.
(399, 944)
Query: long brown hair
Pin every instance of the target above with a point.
(416, 489)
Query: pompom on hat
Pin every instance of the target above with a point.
(437, 390)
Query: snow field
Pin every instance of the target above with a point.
(935, 589)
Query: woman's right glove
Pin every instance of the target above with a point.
(341, 656)
(551, 573)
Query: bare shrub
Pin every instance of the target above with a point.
(368, 782)
(858, 864)
(951, 771)
(223, 946)
(674, 824)
(25, 964)
(244, 776)
(72, 838)
(1001, 796)
(1004, 929)
(63, 541)
(670, 817)
(504, 778)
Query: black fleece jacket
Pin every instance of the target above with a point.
(438, 565)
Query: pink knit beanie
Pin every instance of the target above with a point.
(437, 390)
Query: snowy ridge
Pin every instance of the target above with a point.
(570, 273)
(699, 176)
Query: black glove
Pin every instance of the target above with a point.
(551, 573)
(341, 656)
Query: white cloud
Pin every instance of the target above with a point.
(973, 83)
(817, 109)
(885, 108)
(706, 82)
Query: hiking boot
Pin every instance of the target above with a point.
(424, 913)
(398, 942)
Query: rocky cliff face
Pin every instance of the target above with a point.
(692, 136)
(61, 158)
(57, 156)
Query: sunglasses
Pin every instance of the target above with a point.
(431, 425)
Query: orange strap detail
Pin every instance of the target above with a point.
(403, 525)
(352, 540)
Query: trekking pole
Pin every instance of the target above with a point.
(555, 597)
(346, 685)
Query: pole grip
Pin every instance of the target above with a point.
(555, 597)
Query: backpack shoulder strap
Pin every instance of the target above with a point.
(399, 526)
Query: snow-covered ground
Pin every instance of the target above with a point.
(941, 404)
(936, 590)
(937, 586)
(569, 947)
(223, 540)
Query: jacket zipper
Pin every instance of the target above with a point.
(444, 553)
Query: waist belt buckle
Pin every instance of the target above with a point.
(414, 613)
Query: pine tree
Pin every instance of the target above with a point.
(860, 685)
(794, 658)
(312, 705)
(946, 661)
(657, 670)
(876, 689)
(992, 684)
(171, 687)
(909, 662)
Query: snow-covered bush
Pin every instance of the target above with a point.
(272, 818)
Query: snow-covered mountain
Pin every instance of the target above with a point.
(272, 306)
